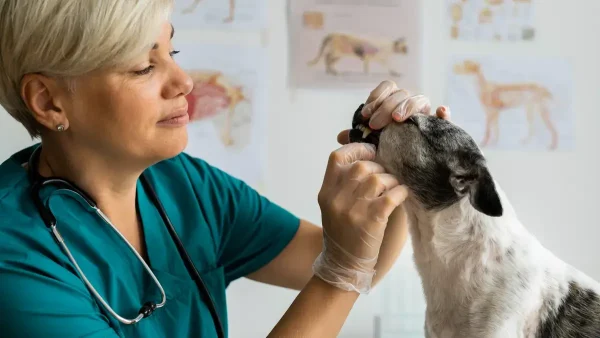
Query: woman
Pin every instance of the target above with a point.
(96, 82)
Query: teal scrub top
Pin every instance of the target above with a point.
(228, 229)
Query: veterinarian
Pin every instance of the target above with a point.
(107, 229)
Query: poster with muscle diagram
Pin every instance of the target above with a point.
(227, 107)
(339, 44)
(513, 103)
(220, 14)
(491, 20)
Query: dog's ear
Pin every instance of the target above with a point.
(481, 189)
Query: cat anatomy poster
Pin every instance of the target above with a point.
(220, 14)
(513, 103)
(490, 20)
(355, 44)
(227, 107)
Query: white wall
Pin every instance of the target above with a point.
(555, 194)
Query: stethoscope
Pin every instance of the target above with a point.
(38, 182)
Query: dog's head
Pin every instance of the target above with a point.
(437, 160)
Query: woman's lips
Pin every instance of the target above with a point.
(178, 117)
(176, 121)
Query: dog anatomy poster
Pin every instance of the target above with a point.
(355, 44)
(513, 102)
(490, 20)
(227, 107)
(220, 14)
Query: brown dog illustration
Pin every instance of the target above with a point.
(335, 46)
(497, 97)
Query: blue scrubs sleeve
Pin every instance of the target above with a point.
(252, 229)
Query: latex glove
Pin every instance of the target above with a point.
(387, 103)
(356, 199)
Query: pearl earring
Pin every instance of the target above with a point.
(60, 127)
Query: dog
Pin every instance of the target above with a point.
(483, 274)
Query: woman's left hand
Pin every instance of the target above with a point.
(387, 103)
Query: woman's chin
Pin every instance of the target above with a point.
(172, 146)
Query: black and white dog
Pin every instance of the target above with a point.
(483, 274)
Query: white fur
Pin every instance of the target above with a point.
(471, 283)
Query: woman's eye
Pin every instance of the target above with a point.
(148, 69)
(144, 71)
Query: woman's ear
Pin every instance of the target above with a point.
(42, 95)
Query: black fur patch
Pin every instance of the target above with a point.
(439, 162)
(443, 144)
(577, 317)
(431, 184)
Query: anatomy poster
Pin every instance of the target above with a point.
(227, 107)
(220, 14)
(516, 103)
(490, 20)
(355, 44)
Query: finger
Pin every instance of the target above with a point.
(389, 201)
(422, 105)
(374, 185)
(418, 104)
(360, 170)
(344, 137)
(340, 158)
(443, 112)
(377, 96)
(357, 152)
(354, 174)
(345, 155)
(391, 105)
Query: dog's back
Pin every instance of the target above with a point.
(483, 274)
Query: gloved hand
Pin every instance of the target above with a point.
(356, 199)
(387, 103)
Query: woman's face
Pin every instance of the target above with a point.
(128, 113)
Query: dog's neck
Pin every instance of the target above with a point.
(485, 274)
(464, 257)
(445, 237)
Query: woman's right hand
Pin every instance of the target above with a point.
(356, 199)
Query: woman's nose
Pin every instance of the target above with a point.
(180, 83)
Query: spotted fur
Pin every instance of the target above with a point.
(483, 274)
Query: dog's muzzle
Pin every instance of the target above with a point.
(361, 132)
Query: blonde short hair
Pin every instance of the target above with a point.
(69, 38)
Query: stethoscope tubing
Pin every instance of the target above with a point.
(140, 316)
(148, 308)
